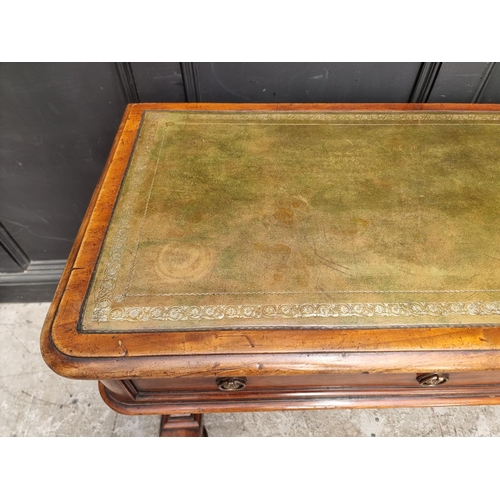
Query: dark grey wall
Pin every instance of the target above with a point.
(490, 93)
(457, 82)
(158, 82)
(58, 121)
(7, 264)
(57, 125)
(306, 82)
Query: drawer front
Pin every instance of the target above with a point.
(266, 393)
(290, 382)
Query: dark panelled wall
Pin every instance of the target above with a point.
(306, 82)
(458, 82)
(57, 125)
(58, 121)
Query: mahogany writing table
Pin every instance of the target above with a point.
(287, 256)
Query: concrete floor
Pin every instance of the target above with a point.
(34, 401)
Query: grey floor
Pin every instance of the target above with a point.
(34, 401)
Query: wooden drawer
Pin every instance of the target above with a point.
(181, 395)
(408, 380)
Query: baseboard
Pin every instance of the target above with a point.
(37, 284)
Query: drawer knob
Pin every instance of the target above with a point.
(432, 379)
(231, 384)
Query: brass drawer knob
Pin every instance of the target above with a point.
(231, 383)
(432, 379)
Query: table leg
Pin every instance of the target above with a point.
(188, 425)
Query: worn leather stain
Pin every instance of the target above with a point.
(284, 216)
(178, 262)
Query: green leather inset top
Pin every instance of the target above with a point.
(300, 219)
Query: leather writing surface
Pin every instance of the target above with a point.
(295, 219)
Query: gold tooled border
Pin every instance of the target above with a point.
(104, 310)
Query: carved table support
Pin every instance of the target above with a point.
(188, 425)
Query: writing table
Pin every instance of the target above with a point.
(287, 256)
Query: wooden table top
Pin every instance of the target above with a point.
(287, 237)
